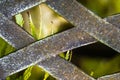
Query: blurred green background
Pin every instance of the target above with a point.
(102, 8)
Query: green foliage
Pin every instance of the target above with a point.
(97, 67)
(5, 48)
(46, 76)
(41, 21)
(67, 56)
(27, 73)
(19, 19)
(102, 8)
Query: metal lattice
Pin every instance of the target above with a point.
(89, 29)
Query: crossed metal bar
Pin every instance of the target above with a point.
(41, 50)
(45, 49)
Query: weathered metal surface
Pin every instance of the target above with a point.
(13, 43)
(48, 68)
(110, 77)
(45, 63)
(115, 20)
(13, 34)
(42, 50)
(63, 70)
(56, 66)
(12, 7)
(76, 36)
(87, 21)
(26, 42)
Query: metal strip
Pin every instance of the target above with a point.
(12, 38)
(13, 27)
(41, 50)
(88, 22)
(9, 33)
(64, 33)
(58, 76)
(13, 34)
(63, 70)
(12, 7)
(19, 39)
(110, 77)
(74, 32)
(115, 20)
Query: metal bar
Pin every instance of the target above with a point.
(19, 39)
(12, 7)
(58, 41)
(87, 21)
(57, 67)
(42, 50)
(114, 19)
(13, 34)
(12, 38)
(110, 77)
(63, 70)
(50, 40)
(64, 77)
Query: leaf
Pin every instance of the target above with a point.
(67, 55)
(5, 48)
(46, 76)
(27, 73)
(19, 19)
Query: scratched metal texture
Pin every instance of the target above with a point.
(49, 60)
(25, 43)
(80, 16)
(22, 40)
(110, 77)
(13, 34)
(58, 69)
(50, 69)
(42, 50)
(12, 7)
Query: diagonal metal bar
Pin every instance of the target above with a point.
(115, 20)
(42, 50)
(63, 70)
(18, 38)
(13, 34)
(88, 22)
(51, 65)
(12, 7)
(31, 5)
(13, 40)
(79, 78)
(11, 30)
(110, 77)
